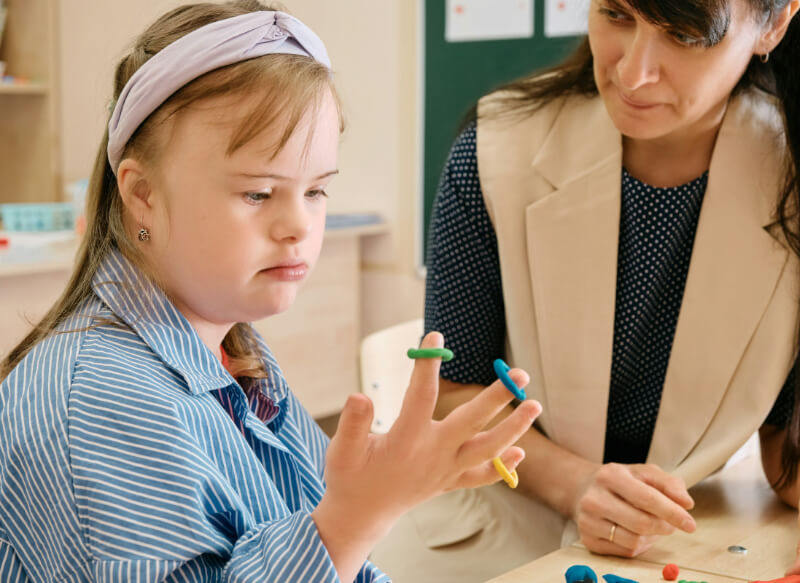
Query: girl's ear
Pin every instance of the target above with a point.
(135, 189)
(774, 34)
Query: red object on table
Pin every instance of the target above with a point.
(4, 241)
(670, 572)
(787, 579)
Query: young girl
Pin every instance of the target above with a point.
(146, 434)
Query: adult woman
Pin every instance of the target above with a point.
(567, 220)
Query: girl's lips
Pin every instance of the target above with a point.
(294, 272)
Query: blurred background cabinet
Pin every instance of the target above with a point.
(30, 156)
(316, 342)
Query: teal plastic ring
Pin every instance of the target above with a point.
(501, 370)
(444, 353)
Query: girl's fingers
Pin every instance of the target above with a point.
(352, 433)
(485, 473)
(488, 444)
(473, 416)
(423, 389)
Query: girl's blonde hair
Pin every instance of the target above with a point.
(279, 89)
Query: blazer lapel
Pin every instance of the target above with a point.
(572, 239)
(733, 273)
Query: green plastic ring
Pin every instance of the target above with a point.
(444, 353)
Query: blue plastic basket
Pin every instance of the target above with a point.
(45, 216)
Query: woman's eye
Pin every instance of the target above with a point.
(614, 15)
(315, 194)
(256, 197)
(686, 40)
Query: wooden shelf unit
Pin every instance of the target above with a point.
(23, 89)
(30, 154)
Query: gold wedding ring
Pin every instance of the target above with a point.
(612, 533)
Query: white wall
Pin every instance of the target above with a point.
(373, 46)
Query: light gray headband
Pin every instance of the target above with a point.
(208, 48)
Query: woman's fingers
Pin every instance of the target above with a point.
(423, 389)
(625, 544)
(473, 416)
(651, 499)
(618, 496)
(603, 505)
(489, 444)
(671, 486)
(795, 568)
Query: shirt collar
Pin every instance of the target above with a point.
(143, 306)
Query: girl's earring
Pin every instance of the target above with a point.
(764, 58)
(144, 234)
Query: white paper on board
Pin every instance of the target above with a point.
(469, 20)
(565, 17)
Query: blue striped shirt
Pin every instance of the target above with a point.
(118, 463)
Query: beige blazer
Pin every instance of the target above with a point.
(552, 186)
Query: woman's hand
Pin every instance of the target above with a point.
(772, 439)
(795, 568)
(374, 479)
(624, 509)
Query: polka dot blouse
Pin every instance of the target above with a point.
(464, 296)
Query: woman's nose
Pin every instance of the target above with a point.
(639, 64)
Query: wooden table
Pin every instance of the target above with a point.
(551, 568)
(736, 506)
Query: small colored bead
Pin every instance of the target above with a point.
(444, 353)
(670, 572)
(617, 579)
(501, 370)
(580, 574)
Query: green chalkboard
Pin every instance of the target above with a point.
(458, 74)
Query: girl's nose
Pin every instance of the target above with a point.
(292, 222)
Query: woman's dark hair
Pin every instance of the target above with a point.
(779, 76)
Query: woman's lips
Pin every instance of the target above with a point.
(636, 104)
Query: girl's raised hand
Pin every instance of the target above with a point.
(374, 479)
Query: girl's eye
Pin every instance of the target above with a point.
(257, 197)
(315, 194)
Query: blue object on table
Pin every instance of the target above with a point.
(344, 221)
(617, 579)
(580, 574)
(45, 216)
(501, 370)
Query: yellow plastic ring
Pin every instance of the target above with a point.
(510, 478)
